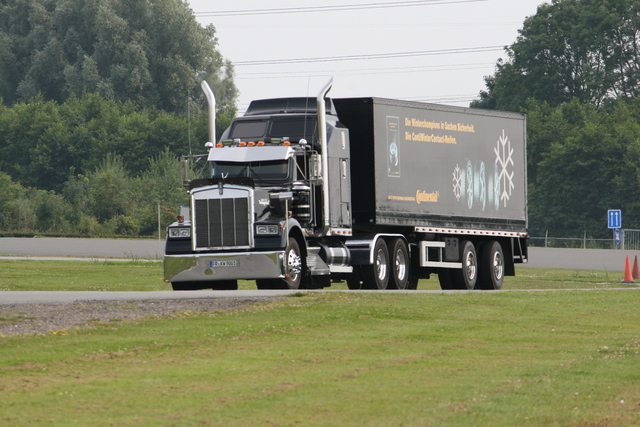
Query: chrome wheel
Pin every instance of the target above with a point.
(493, 266)
(470, 266)
(399, 279)
(376, 276)
(381, 264)
(467, 277)
(294, 263)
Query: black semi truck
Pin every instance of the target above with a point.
(302, 192)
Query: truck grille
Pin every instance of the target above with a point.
(222, 223)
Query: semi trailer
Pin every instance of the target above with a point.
(304, 192)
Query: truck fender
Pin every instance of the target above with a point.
(362, 247)
(294, 229)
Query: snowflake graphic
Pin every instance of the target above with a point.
(481, 185)
(457, 182)
(504, 157)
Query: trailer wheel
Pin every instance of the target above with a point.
(376, 275)
(467, 277)
(492, 271)
(400, 265)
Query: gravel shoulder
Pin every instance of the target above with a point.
(43, 318)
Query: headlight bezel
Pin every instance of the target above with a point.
(180, 232)
(267, 230)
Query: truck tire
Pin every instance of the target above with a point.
(293, 268)
(492, 271)
(265, 284)
(376, 275)
(400, 265)
(467, 277)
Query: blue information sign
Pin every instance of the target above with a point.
(615, 218)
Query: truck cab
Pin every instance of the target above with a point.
(263, 199)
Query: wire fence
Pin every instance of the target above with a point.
(627, 240)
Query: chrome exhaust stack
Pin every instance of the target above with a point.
(322, 134)
(211, 100)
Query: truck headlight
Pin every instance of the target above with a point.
(264, 229)
(178, 232)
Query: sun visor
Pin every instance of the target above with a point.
(250, 154)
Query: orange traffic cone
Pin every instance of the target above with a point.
(636, 273)
(628, 277)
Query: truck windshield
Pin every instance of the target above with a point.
(294, 128)
(279, 127)
(249, 129)
(276, 170)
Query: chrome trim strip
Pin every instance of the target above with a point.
(493, 233)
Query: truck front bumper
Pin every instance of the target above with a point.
(226, 266)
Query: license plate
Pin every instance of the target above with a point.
(230, 263)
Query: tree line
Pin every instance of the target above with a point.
(98, 99)
(150, 52)
(90, 166)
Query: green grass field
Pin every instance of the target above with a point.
(567, 357)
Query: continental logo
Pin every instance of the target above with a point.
(421, 197)
(424, 197)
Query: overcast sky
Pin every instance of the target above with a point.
(420, 50)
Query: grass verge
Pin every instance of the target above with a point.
(35, 275)
(500, 359)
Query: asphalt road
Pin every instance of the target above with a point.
(128, 249)
(82, 248)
